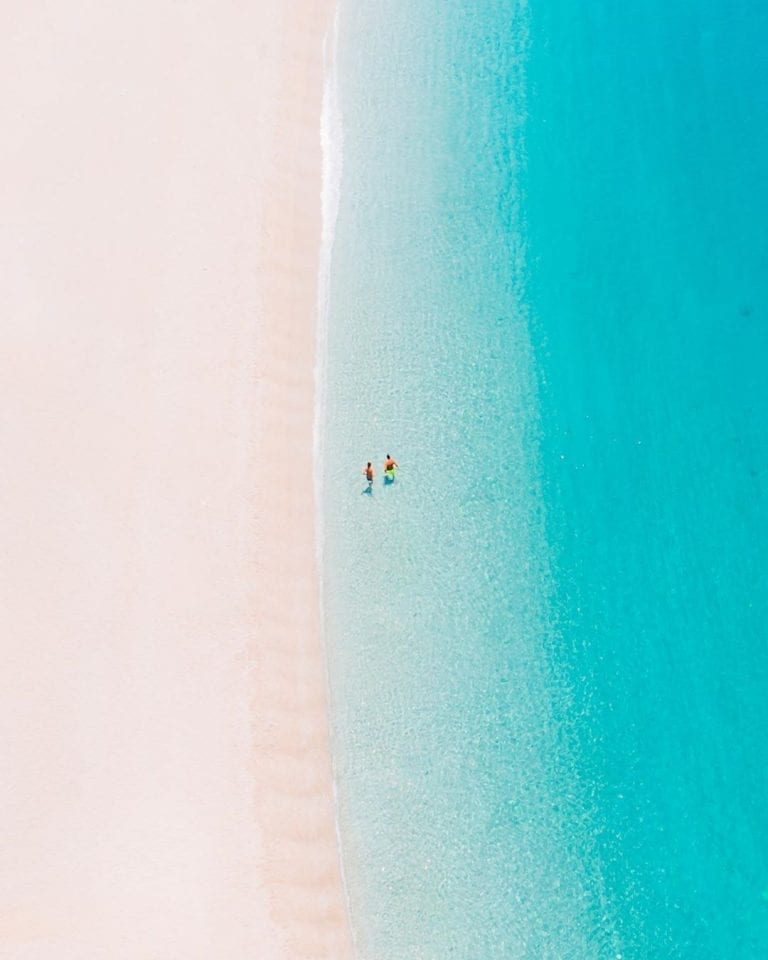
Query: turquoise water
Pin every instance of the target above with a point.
(546, 639)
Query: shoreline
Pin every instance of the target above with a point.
(304, 860)
(332, 156)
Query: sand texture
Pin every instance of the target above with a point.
(166, 788)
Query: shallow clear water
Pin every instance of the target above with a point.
(546, 640)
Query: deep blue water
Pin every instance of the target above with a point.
(646, 202)
(547, 639)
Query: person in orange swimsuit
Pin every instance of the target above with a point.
(369, 473)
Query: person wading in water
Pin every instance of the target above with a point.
(390, 464)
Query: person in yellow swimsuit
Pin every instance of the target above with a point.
(390, 465)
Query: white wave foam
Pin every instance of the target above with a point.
(332, 146)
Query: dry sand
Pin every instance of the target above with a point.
(166, 787)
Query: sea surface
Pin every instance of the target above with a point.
(546, 295)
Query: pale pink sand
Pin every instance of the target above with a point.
(166, 789)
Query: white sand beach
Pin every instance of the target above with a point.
(166, 788)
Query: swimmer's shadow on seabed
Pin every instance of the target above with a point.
(368, 488)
